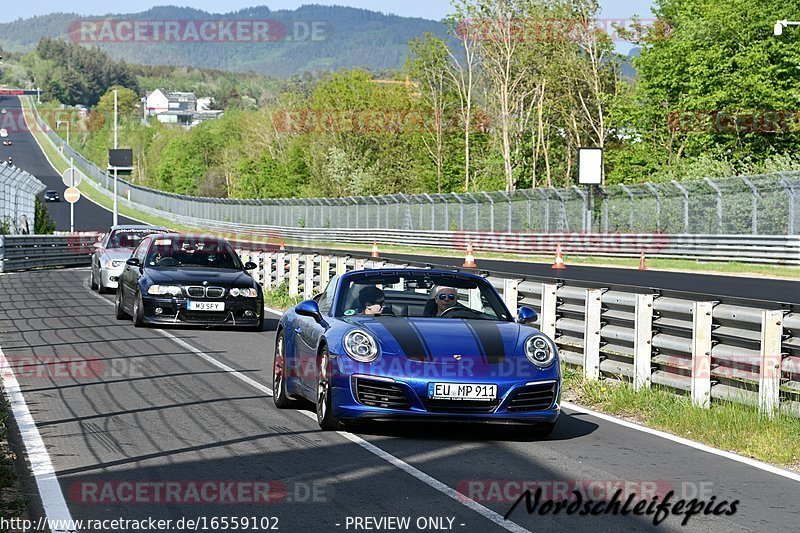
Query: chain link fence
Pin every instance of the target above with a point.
(18, 191)
(751, 205)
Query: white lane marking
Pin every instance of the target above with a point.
(432, 482)
(686, 442)
(218, 364)
(55, 507)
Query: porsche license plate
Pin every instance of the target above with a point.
(205, 306)
(462, 391)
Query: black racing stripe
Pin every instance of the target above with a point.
(407, 337)
(478, 342)
(421, 338)
(490, 338)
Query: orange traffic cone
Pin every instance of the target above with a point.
(375, 253)
(469, 260)
(642, 264)
(282, 248)
(559, 264)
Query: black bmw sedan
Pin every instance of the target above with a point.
(189, 279)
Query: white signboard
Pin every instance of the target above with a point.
(590, 166)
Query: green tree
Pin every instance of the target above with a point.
(42, 223)
(127, 102)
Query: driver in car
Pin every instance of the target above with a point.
(445, 298)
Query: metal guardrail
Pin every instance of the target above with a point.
(707, 350)
(25, 252)
(744, 205)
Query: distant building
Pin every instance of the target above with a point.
(184, 109)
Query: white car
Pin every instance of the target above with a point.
(113, 250)
(3, 132)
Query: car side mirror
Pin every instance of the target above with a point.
(134, 262)
(309, 308)
(250, 266)
(526, 315)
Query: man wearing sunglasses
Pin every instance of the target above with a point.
(445, 298)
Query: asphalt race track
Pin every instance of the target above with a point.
(28, 156)
(160, 407)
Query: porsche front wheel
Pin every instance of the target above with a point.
(279, 396)
(325, 417)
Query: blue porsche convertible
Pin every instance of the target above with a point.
(416, 344)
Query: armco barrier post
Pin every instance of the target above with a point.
(294, 274)
(591, 334)
(267, 279)
(547, 317)
(643, 341)
(511, 294)
(324, 272)
(308, 277)
(701, 353)
(341, 265)
(769, 379)
(2, 252)
(280, 269)
(359, 264)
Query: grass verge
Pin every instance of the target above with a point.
(728, 426)
(279, 298)
(12, 504)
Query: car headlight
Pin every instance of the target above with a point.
(113, 264)
(539, 352)
(360, 346)
(163, 290)
(246, 293)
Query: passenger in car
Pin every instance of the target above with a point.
(371, 300)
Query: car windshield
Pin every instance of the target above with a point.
(127, 238)
(191, 252)
(420, 294)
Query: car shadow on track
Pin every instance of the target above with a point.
(568, 427)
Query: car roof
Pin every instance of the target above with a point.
(156, 229)
(189, 236)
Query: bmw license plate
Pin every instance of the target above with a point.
(205, 306)
(462, 391)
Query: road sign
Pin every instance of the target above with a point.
(69, 175)
(72, 195)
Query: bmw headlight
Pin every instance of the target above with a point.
(164, 290)
(539, 352)
(113, 264)
(246, 293)
(360, 346)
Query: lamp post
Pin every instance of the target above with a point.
(779, 25)
(116, 212)
(58, 125)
